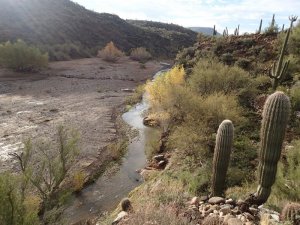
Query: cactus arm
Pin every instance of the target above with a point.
(222, 153)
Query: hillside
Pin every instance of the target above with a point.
(209, 162)
(46, 22)
(203, 30)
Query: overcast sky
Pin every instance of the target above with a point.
(205, 13)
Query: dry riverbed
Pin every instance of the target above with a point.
(84, 94)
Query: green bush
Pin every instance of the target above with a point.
(295, 97)
(21, 57)
(140, 54)
(294, 41)
(210, 77)
(243, 63)
(287, 185)
(227, 59)
(16, 206)
(67, 51)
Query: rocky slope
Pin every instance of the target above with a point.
(57, 22)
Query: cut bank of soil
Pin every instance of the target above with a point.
(82, 94)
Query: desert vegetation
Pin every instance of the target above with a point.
(35, 192)
(210, 105)
(21, 57)
(140, 54)
(110, 53)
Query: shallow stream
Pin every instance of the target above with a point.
(107, 191)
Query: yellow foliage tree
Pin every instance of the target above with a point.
(110, 53)
(162, 93)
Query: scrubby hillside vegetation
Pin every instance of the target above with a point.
(225, 79)
(67, 30)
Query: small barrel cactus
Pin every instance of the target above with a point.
(291, 213)
(274, 122)
(222, 153)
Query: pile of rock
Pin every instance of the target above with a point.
(218, 210)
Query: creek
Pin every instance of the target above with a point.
(106, 192)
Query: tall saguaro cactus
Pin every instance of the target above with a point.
(275, 118)
(292, 19)
(214, 31)
(279, 68)
(222, 153)
(260, 25)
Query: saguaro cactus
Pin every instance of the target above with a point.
(279, 69)
(275, 118)
(222, 153)
(214, 31)
(260, 25)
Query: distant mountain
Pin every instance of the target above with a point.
(204, 30)
(51, 22)
(178, 35)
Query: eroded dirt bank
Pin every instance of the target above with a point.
(83, 94)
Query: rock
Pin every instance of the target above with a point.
(162, 163)
(208, 212)
(227, 217)
(230, 201)
(212, 220)
(159, 157)
(225, 210)
(249, 216)
(243, 219)
(204, 198)
(126, 205)
(195, 201)
(234, 221)
(249, 223)
(216, 200)
(215, 207)
(254, 211)
(275, 217)
(127, 90)
(120, 216)
(150, 122)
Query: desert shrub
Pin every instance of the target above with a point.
(21, 57)
(165, 91)
(67, 51)
(227, 59)
(295, 97)
(53, 161)
(78, 180)
(117, 149)
(140, 54)
(110, 53)
(247, 42)
(137, 95)
(210, 76)
(243, 63)
(287, 185)
(202, 116)
(16, 206)
(219, 45)
(294, 41)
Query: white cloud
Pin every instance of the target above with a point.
(222, 13)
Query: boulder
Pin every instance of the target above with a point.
(216, 200)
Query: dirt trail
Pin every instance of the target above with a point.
(82, 94)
